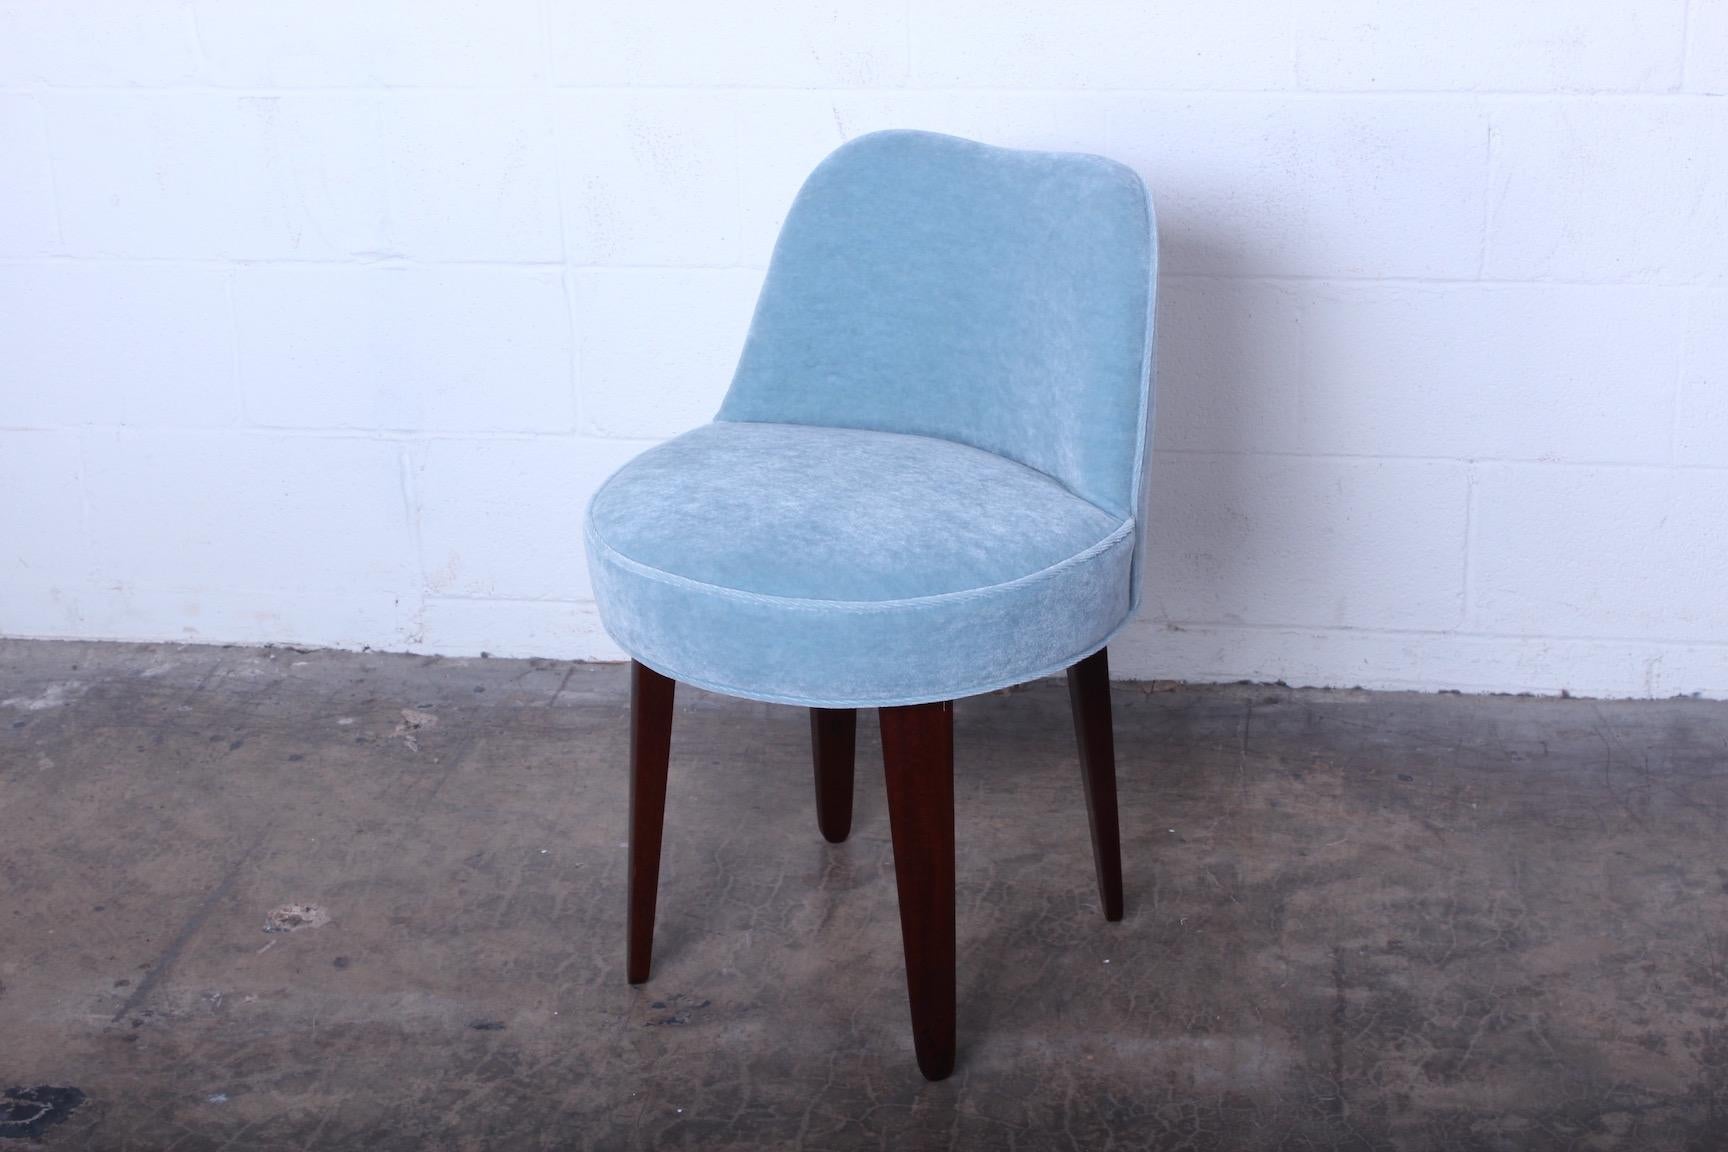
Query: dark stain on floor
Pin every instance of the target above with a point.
(26, 1113)
(1355, 920)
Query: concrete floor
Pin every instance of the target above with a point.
(1356, 920)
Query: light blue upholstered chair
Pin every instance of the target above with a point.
(927, 481)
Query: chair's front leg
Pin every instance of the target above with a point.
(650, 750)
(833, 741)
(918, 761)
(1089, 694)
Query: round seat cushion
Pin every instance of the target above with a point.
(842, 567)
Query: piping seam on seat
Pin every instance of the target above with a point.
(995, 685)
(860, 607)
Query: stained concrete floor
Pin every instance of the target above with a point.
(1356, 920)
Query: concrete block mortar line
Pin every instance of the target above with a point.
(1462, 94)
(1469, 546)
(396, 261)
(565, 282)
(407, 452)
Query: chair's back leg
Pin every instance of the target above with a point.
(1089, 693)
(650, 749)
(833, 742)
(918, 762)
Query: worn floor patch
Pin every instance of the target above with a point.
(675, 1011)
(293, 917)
(26, 1113)
(53, 696)
(414, 721)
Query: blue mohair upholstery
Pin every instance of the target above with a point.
(927, 479)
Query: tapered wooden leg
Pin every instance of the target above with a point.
(918, 761)
(833, 739)
(650, 749)
(1089, 693)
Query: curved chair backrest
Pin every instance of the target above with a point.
(999, 298)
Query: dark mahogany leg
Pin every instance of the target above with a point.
(833, 738)
(650, 748)
(1089, 692)
(918, 761)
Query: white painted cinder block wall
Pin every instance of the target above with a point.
(320, 319)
